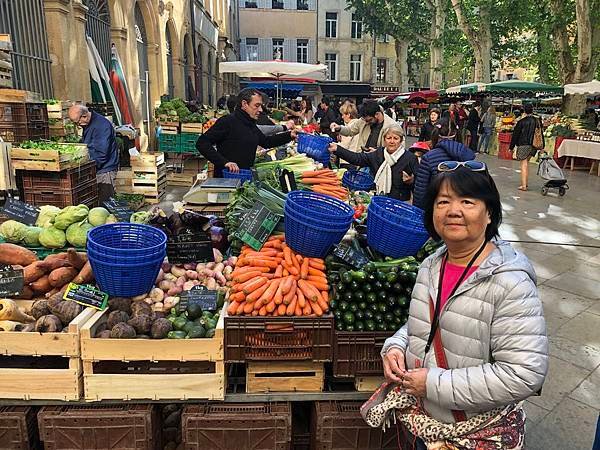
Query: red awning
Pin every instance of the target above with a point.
(429, 96)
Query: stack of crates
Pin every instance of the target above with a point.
(5, 61)
(23, 121)
(178, 143)
(58, 119)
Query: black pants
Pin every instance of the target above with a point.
(105, 191)
(474, 139)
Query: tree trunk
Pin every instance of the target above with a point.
(564, 60)
(436, 46)
(573, 105)
(402, 63)
(543, 45)
(480, 40)
(584, 70)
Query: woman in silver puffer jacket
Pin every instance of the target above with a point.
(485, 347)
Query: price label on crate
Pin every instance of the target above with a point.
(86, 295)
(188, 248)
(120, 209)
(20, 211)
(257, 226)
(199, 295)
(350, 256)
(11, 280)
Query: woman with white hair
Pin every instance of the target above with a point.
(393, 166)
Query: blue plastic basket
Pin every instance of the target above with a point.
(356, 180)
(126, 280)
(395, 228)
(314, 146)
(126, 239)
(315, 222)
(325, 209)
(243, 175)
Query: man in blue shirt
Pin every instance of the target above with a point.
(99, 135)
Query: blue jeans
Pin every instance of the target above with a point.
(484, 142)
(596, 445)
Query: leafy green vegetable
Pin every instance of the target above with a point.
(13, 231)
(52, 238)
(32, 236)
(77, 233)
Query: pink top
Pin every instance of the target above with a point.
(451, 277)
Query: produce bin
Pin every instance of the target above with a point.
(123, 427)
(66, 179)
(338, 425)
(155, 369)
(42, 366)
(278, 338)
(256, 426)
(48, 160)
(86, 194)
(18, 428)
(358, 353)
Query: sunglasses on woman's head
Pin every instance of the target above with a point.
(449, 166)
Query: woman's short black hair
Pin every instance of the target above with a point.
(466, 183)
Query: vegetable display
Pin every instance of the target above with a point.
(324, 181)
(275, 281)
(45, 315)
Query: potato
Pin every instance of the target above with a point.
(180, 281)
(170, 277)
(175, 290)
(166, 285)
(188, 285)
(191, 274)
(157, 295)
(178, 271)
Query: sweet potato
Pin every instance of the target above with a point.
(76, 259)
(41, 285)
(56, 261)
(60, 277)
(85, 275)
(15, 254)
(26, 293)
(33, 271)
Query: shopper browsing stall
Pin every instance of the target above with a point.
(231, 142)
(528, 138)
(392, 165)
(369, 128)
(475, 344)
(100, 138)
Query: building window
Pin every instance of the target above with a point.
(355, 67)
(331, 25)
(331, 63)
(251, 49)
(277, 48)
(302, 51)
(302, 5)
(276, 4)
(381, 70)
(251, 4)
(356, 26)
(384, 38)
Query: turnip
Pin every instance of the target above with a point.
(211, 284)
(196, 282)
(220, 278)
(218, 255)
(170, 302)
(178, 271)
(159, 307)
(180, 281)
(157, 295)
(211, 265)
(200, 267)
(166, 267)
(149, 301)
(188, 285)
(166, 285)
(219, 267)
(227, 272)
(175, 290)
(189, 266)
(191, 274)
(232, 260)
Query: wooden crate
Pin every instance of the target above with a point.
(7, 175)
(208, 210)
(5, 74)
(49, 160)
(284, 376)
(195, 128)
(58, 111)
(147, 160)
(28, 362)
(367, 383)
(165, 369)
(180, 179)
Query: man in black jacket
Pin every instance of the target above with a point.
(236, 136)
(473, 125)
(326, 115)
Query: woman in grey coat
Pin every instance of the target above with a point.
(475, 339)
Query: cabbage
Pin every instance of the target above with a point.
(70, 215)
(46, 216)
(98, 216)
(52, 238)
(77, 233)
(140, 217)
(32, 236)
(13, 231)
(111, 219)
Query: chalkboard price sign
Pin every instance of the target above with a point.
(350, 256)
(188, 248)
(199, 295)
(11, 281)
(86, 295)
(20, 211)
(121, 210)
(257, 226)
(287, 181)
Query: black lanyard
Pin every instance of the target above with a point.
(436, 313)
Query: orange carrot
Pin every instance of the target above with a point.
(295, 263)
(290, 268)
(248, 308)
(320, 180)
(278, 272)
(291, 307)
(314, 173)
(258, 304)
(287, 254)
(255, 295)
(243, 270)
(325, 295)
(309, 291)
(276, 237)
(281, 309)
(271, 307)
(287, 285)
(254, 313)
(270, 292)
(290, 295)
(275, 313)
(232, 308)
(272, 264)
(298, 310)
(320, 286)
(307, 310)
(272, 244)
(317, 309)
(323, 305)
(301, 298)
(278, 297)
(300, 258)
(318, 279)
(304, 269)
(254, 285)
(316, 265)
(262, 311)
(237, 297)
(285, 273)
(240, 309)
(247, 276)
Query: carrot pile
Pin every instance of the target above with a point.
(275, 281)
(324, 181)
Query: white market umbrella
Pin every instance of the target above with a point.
(465, 88)
(280, 70)
(589, 88)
